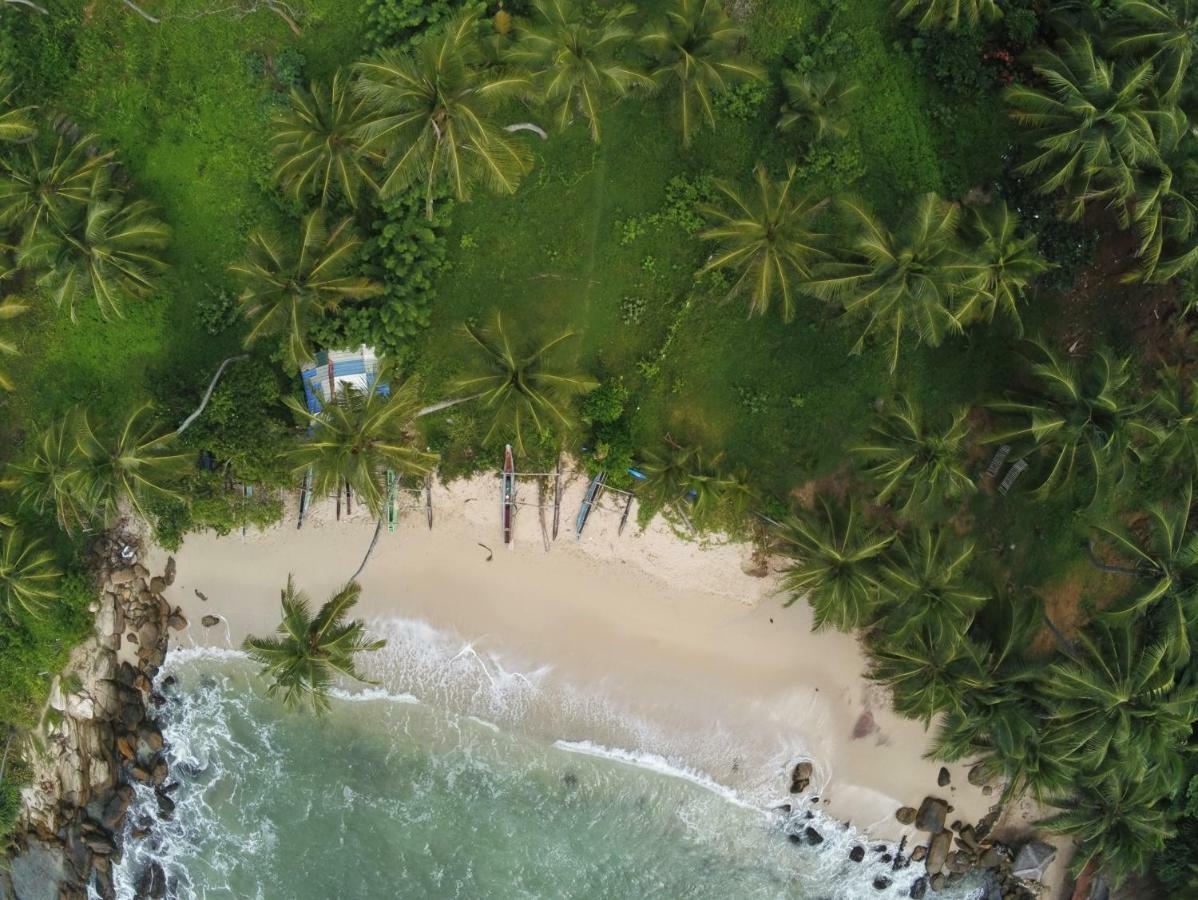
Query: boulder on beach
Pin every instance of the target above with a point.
(1033, 861)
(931, 815)
(209, 621)
(938, 850)
(905, 815)
(943, 778)
(800, 778)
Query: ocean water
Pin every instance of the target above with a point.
(430, 786)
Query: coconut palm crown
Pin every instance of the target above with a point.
(304, 661)
(315, 144)
(815, 104)
(518, 385)
(900, 281)
(1165, 32)
(1001, 264)
(358, 436)
(288, 287)
(431, 111)
(768, 240)
(694, 51)
(949, 14)
(28, 576)
(576, 61)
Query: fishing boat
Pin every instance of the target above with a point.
(589, 499)
(507, 496)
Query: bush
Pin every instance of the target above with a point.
(407, 254)
(605, 410)
(393, 22)
(955, 60)
(209, 505)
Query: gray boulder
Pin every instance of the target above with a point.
(39, 873)
(931, 815)
(1033, 860)
(938, 850)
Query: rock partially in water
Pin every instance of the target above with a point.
(905, 815)
(813, 837)
(800, 778)
(857, 853)
(152, 882)
(919, 888)
(881, 883)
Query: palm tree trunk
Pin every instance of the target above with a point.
(445, 404)
(208, 393)
(378, 529)
(141, 12)
(31, 5)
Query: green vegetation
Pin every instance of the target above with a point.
(971, 505)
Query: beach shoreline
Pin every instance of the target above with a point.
(673, 634)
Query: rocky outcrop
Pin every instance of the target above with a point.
(99, 734)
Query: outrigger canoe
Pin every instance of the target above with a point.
(589, 499)
(507, 497)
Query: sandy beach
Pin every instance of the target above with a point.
(643, 628)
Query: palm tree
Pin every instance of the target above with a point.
(1164, 32)
(288, 288)
(900, 281)
(1164, 216)
(9, 309)
(28, 577)
(315, 144)
(928, 590)
(432, 111)
(1174, 417)
(928, 678)
(110, 250)
(1122, 707)
(815, 104)
(835, 564)
(577, 63)
(120, 469)
(768, 239)
(1094, 126)
(691, 484)
(694, 51)
(50, 479)
(1001, 724)
(1078, 419)
(15, 122)
(948, 13)
(303, 662)
(35, 191)
(361, 435)
(1002, 263)
(519, 386)
(917, 463)
(1114, 822)
(1165, 559)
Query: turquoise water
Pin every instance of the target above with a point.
(392, 797)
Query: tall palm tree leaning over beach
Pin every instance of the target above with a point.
(576, 63)
(311, 651)
(431, 111)
(28, 577)
(768, 240)
(694, 49)
(288, 287)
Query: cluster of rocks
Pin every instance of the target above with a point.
(953, 849)
(101, 740)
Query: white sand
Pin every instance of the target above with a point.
(664, 632)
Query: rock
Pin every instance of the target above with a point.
(100, 843)
(166, 806)
(886, 857)
(931, 815)
(111, 812)
(881, 883)
(148, 634)
(795, 838)
(39, 873)
(943, 778)
(1033, 860)
(918, 854)
(936, 882)
(990, 859)
(141, 571)
(158, 775)
(987, 790)
(80, 706)
(176, 621)
(966, 838)
(157, 584)
(938, 849)
(151, 737)
(800, 778)
(209, 621)
(857, 853)
(152, 883)
(919, 888)
(122, 576)
(106, 616)
(131, 638)
(140, 774)
(168, 574)
(813, 836)
(905, 815)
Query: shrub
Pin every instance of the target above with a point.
(407, 253)
(392, 22)
(210, 505)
